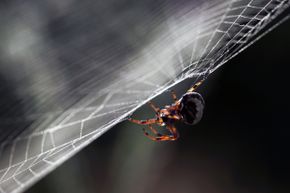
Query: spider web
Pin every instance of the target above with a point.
(76, 69)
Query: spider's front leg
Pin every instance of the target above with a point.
(148, 121)
(143, 122)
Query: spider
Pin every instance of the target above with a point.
(188, 109)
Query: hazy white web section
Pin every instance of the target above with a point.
(80, 76)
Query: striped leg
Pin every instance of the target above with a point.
(174, 134)
(195, 86)
(143, 122)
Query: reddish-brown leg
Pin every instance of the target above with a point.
(143, 122)
(174, 134)
(154, 130)
(173, 131)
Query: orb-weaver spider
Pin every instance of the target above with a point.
(188, 109)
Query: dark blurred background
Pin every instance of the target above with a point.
(241, 145)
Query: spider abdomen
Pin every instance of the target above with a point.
(191, 107)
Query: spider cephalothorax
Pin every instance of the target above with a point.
(188, 109)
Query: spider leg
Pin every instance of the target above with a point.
(154, 131)
(173, 131)
(195, 86)
(154, 138)
(174, 134)
(143, 122)
(174, 96)
(156, 109)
